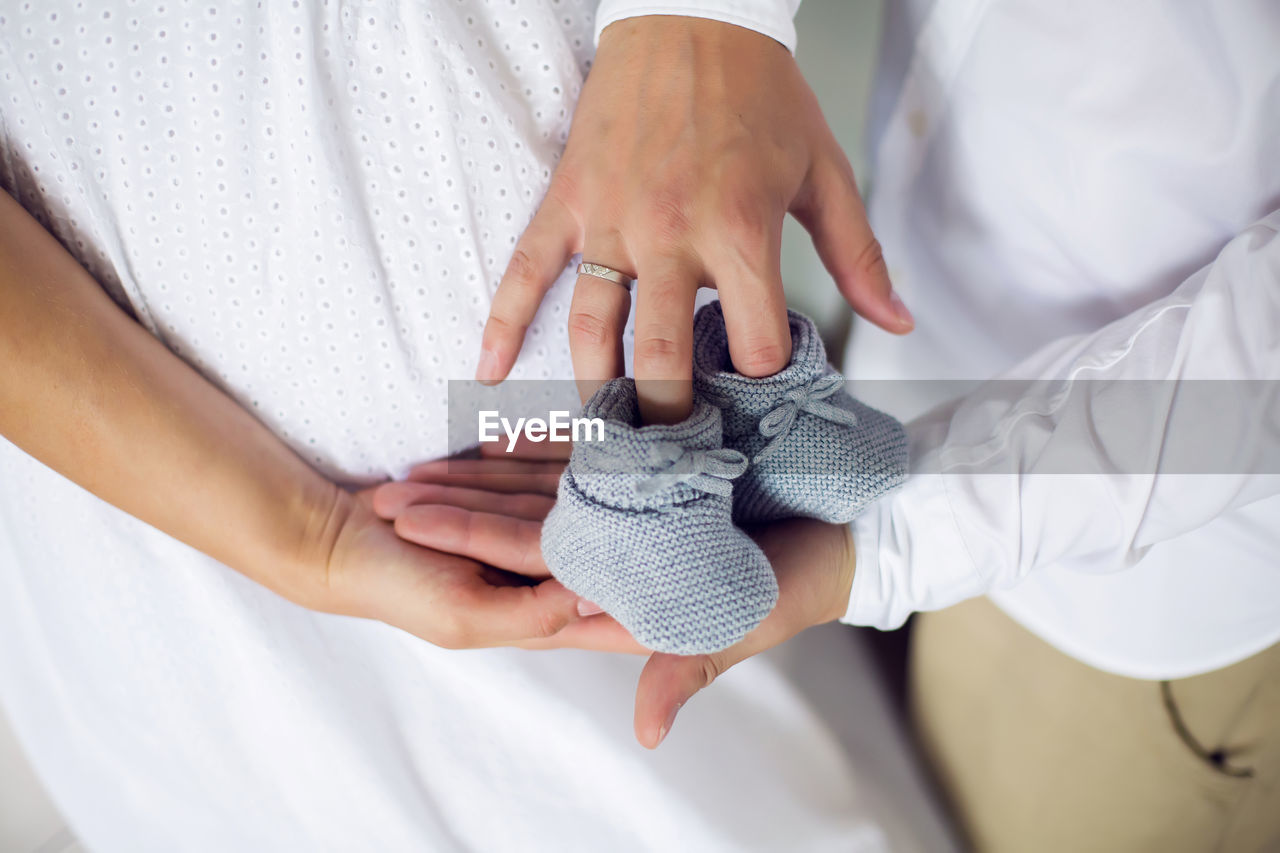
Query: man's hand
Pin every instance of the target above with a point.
(491, 510)
(814, 563)
(691, 141)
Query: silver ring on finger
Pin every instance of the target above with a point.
(607, 273)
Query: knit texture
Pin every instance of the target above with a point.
(642, 526)
(814, 450)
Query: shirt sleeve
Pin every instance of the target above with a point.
(770, 17)
(1133, 435)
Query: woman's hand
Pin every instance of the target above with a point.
(90, 393)
(691, 141)
(491, 510)
(449, 600)
(475, 528)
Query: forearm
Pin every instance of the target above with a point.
(91, 394)
(1149, 428)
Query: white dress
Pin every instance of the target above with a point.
(311, 201)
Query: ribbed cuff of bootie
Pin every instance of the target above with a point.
(652, 467)
(744, 400)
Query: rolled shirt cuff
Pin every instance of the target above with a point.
(910, 555)
(769, 17)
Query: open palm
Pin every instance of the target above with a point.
(491, 510)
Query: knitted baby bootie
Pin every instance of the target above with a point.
(642, 527)
(814, 450)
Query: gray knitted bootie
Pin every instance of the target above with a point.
(814, 450)
(642, 527)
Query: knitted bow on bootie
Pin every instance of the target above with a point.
(814, 450)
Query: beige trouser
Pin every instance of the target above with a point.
(1039, 752)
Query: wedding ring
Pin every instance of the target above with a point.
(606, 273)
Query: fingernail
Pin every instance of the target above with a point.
(487, 369)
(587, 608)
(666, 726)
(900, 310)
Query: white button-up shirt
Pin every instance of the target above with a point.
(1084, 193)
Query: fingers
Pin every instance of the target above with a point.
(598, 316)
(598, 633)
(494, 475)
(392, 499)
(448, 599)
(831, 209)
(664, 339)
(512, 544)
(539, 258)
(486, 615)
(755, 307)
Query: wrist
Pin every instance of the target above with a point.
(846, 564)
(321, 511)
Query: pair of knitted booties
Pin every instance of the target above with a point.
(644, 523)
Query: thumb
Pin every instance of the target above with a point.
(666, 683)
(831, 210)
